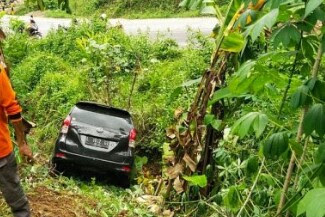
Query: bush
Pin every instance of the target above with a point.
(53, 98)
(31, 70)
(51, 4)
(16, 48)
(92, 62)
(17, 25)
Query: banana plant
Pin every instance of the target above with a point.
(206, 7)
(188, 144)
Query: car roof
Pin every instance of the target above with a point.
(90, 103)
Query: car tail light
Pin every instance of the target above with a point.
(60, 155)
(126, 169)
(66, 125)
(132, 138)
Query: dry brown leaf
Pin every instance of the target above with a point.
(150, 199)
(168, 213)
(178, 185)
(175, 171)
(155, 209)
(189, 162)
(171, 133)
(178, 113)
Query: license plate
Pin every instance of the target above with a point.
(100, 143)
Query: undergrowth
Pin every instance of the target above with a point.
(92, 62)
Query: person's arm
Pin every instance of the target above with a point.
(24, 149)
(10, 104)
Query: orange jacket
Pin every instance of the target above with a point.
(9, 109)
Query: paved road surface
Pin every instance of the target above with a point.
(176, 28)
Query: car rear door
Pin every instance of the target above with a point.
(97, 131)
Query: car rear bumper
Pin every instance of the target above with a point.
(90, 163)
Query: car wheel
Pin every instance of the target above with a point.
(125, 181)
(56, 168)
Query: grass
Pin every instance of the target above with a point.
(158, 14)
(85, 8)
(57, 14)
(92, 62)
(66, 197)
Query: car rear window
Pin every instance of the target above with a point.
(102, 117)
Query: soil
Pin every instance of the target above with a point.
(48, 203)
(154, 168)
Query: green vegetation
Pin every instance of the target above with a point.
(244, 137)
(132, 9)
(262, 147)
(91, 62)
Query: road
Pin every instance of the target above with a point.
(176, 28)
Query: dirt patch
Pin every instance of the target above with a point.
(153, 168)
(48, 203)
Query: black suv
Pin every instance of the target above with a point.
(96, 137)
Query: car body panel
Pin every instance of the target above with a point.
(98, 137)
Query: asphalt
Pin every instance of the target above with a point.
(175, 28)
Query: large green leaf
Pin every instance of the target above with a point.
(301, 97)
(223, 93)
(216, 124)
(253, 76)
(197, 180)
(184, 3)
(296, 147)
(276, 145)
(268, 20)
(246, 124)
(209, 10)
(253, 121)
(252, 166)
(319, 91)
(245, 68)
(311, 6)
(232, 199)
(315, 120)
(248, 14)
(313, 203)
(285, 35)
(210, 119)
(242, 75)
(309, 47)
(188, 3)
(234, 42)
(259, 124)
(274, 3)
(320, 154)
(196, 4)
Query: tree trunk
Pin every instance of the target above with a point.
(40, 4)
(314, 74)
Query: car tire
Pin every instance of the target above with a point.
(57, 168)
(125, 181)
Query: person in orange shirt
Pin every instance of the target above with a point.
(9, 180)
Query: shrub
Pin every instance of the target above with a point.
(17, 25)
(16, 48)
(52, 99)
(92, 62)
(28, 74)
(51, 4)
